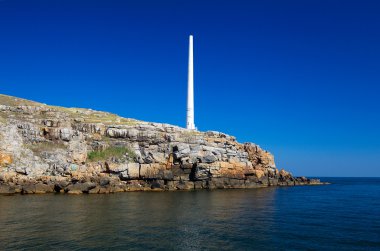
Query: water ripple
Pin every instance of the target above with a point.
(343, 216)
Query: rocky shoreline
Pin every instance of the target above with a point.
(106, 185)
(47, 149)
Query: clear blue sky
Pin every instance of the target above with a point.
(299, 78)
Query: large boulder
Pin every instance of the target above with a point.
(66, 134)
(209, 158)
(116, 167)
(78, 188)
(181, 150)
(202, 172)
(131, 172)
(152, 171)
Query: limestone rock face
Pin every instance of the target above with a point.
(5, 159)
(54, 149)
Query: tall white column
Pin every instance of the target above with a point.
(190, 89)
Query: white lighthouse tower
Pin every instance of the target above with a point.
(190, 89)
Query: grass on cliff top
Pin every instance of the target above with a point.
(108, 118)
(14, 101)
(115, 151)
(88, 115)
(91, 116)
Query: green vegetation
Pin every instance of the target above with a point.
(115, 151)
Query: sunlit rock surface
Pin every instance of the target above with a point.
(70, 150)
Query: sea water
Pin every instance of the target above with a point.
(342, 216)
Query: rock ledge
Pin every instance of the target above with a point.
(46, 149)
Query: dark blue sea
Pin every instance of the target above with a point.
(342, 216)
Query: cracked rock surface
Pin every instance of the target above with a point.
(71, 150)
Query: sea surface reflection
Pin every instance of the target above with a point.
(319, 217)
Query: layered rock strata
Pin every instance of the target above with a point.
(68, 150)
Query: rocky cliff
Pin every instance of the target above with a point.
(53, 149)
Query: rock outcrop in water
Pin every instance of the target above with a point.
(53, 149)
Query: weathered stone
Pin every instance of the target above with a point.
(200, 184)
(170, 186)
(181, 150)
(49, 123)
(104, 181)
(28, 188)
(157, 184)
(284, 175)
(218, 183)
(43, 188)
(159, 157)
(60, 185)
(252, 184)
(259, 173)
(116, 133)
(115, 167)
(273, 182)
(5, 159)
(209, 158)
(21, 170)
(45, 149)
(103, 190)
(65, 134)
(187, 166)
(184, 185)
(166, 174)
(235, 183)
(180, 173)
(134, 185)
(94, 190)
(146, 171)
(124, 175)
(7, 176)
(6, 189)
(80, 187)
(201, 172)
(151, 171)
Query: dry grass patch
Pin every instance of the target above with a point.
(47, 146)
(14, 101)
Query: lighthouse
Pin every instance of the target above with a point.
(190, 89)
